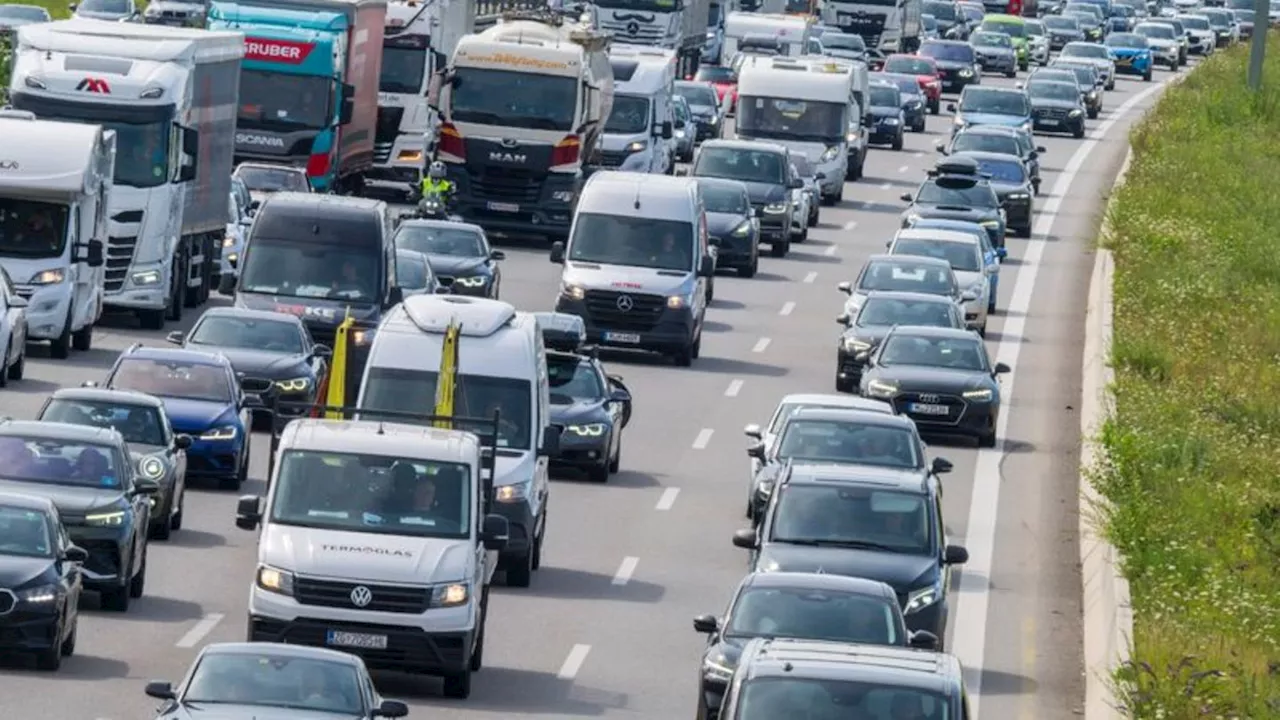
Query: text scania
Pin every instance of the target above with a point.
(367, 550)
(260, 140)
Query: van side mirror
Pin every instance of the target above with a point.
(940, 147)
(497, 255)
(94, 255)
(756, 451)
(753, 431)
(1040, 149)
(248, 512)
(182, 442)
(682, 172)
(557, 252)
(391, 709)
(845, 287)
(395, 296)
(550, 442)
(706, 624)
(177, 337)
(923, 640)
(707, 266)
(905, 197)
(941, 466)
(667, 131)
(1001, 369)
(190, 152)
(955, 555)
(348, 104)
(843, 319)
(155, 689)
(495, 533)
(745, 539)
(143, 486)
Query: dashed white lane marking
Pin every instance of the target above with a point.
(199, 630)
(760, 345)
(831, 250)
(704, 437)
(887, 186)
(917, 155)
(573, 663)
(787, 308)
(668, 499)
(734, 388)
(808, 279)
(904, 168)
(625, 570)
(850, 225)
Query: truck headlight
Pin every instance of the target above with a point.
(151, 467)
(444, 596)
(563, 196)
(590, 430)
(52, 276)
(922, 598)
(516, 492)
(226, 432)
(293, 385)
(679, 302)
(882, 389)
(637, 146)
(777, 207)
(108, 518)
(984, 395)
(146, 278)
(276, 581)
(572, 292)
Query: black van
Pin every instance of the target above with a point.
(321, 257)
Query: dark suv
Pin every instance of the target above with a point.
(763, 168)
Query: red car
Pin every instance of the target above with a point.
(723, 79)
(926, 72)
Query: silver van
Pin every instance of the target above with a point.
(638, 266)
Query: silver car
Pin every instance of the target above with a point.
(108, 10)
(1095, 54)
(686, 130)
(811, 178)
(1037, 41)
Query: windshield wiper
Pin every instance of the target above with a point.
(856, 544)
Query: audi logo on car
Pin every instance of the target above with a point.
(930, 398)
(625, 303)
(361, 596)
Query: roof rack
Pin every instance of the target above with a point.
(561, 331)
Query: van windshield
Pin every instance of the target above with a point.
(630, 115)
(308, 269)
(787, 119)
(373, 494)
(476, 396)
(633, 241)
(31, 229)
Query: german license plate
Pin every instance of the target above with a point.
(503, 207)
(356, 640)
(927, 409)
(628, 338)
(1049, 122)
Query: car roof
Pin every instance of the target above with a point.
(910, 297)
(990, 130)
(827, 474)
(856, 402)
(884, 666)
(818, 581)
(902, 259)
(26, 502)
(994, 89)
(322, 205)
(935, 234)
(90, 434)
(950, 43)
(250, 314)
(120, 397)
(858, 415)
(745, 145)
(270, 166)
(423, 222)
(934, 332)
(175, 355)
(281, 650)
(722, 183)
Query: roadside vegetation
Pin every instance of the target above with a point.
(1194, 446)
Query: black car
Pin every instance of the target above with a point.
(87, 474)
(880, 312)
(956, 190)
(263, 345)
(804, 606)
(704, 107)
(1015, 142)
(1090, 25)
(915, 106)
(957, 63)
(159, 454)
(941, 378)
(591, 406)
(1092, 84)
(862, 522)
(951, 24)
(1008, 177)
(40, 571)
(1062, 29)
(1056, 107)
(885, 117)
(459, 253)
(763, 167)
(732, 227)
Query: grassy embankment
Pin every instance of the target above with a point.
(1194, 446)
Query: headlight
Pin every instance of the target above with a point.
(680, 133)
(979, 395)
(38, 594)
(743, 230)
(108, 518)
(851, 138)
(990, 223)
(852, 345)
(361, 337)
(1093, 94)
(472, 282)
(295, 385)
(911, 219)
(453, 595)
(226, 432)
(882, 389)
(572, 292)
(637, 146)
(148, 277)
(718, 669)
(562, 196)
(229, 241)
(48, 277)
(591, 430)
(831, 153)
(918, 600)
(914, 104)
(1074, 114)
(512, 493)
(276, 581)
(965, 72)
(713, 120)
(891, 121)
(151, 467)
(777, 207)
(678, 302)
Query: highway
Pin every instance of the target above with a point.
(605, 629)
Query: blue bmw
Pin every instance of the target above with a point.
(1132, 54)
(202, 399)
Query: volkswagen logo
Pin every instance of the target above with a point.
(510, 142)
(361, 596)
(930, 398)
(625, 303)
(633, 28)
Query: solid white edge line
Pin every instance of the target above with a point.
(625, 570)
(972, 597)
(808, 279)
(734, 388)
(668, 499)
(573, 663)
(703, 439)
(787, 308)
(760, 345)
(198, 631)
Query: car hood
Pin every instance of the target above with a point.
(16, 22)
(454, 266)
(577, 412)
(881, 111)
(16, 571)
(721, 224)
(137, 451)
(899, 571)
(928, 379)
(315, 312)
(266, 364)
(703, 111)
(1163, 42)
(952, 65)
(623, 278)
(1128, 52)
(953, 212)
(365, 557)
(993, 51)
(253, 712)
(981, 118)
(845, 54)
(1040, 103)
(765, 192)
(70, 499)
(1096, 62)
(196, 416)
(97, 15)
(186, 8)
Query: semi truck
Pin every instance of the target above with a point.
(418, 40)
(679, 25)
(169, 94)
(309, 88)
(62, 172)
(524, 105)
(890, 26)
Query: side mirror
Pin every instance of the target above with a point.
(321, 351)
(550, 442)
(795, 184)
(248, 512)
(667, 131)
(1001, 369)
(495, 533)
(143, 486)
(177, 337)
(940, 147)
(392, 709)
(619, 395)
(951, 107)
(156, 689)
(955, 555)
(905, 197)
(95, 254)
(707, 266)
(745, 539)
(76, 554)
(706, 624)
(255, 205)
(191, 151)
(820, 176)
(941, 466)
(557, 252)
(497, 255)
(72, 6)
(756, 451)
(923, 640)
(992, 269)
(227, 284)
(682, 172)
(753, 431)
(1040, 149)
(182, 442)
(845, 287)
(843, 319)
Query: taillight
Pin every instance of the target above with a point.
(451, 142)
(566, 151)
(318, 165)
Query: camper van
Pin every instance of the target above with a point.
(639, 134)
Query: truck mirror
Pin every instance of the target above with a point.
(94, 254)
(348, 110)
(395, 296)
(667, 131)
(433, 91)
(557, 252)
(248, 512)
(227, 284)
(550, 442)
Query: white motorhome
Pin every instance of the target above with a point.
(677, 26)
(639, 134)
(170, 95)
(783, 100)
(60, 173)
(859, 86)
(792, 31)
(502, 366)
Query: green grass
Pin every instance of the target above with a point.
(1194, 447)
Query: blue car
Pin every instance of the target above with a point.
(1131, 53)
(202, 398)
(991, 255)
(1000, 106)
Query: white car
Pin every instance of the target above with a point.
(13, 331)
(965, 255)
(1163, 44)
(1202, 40)
(239, 220)
(1037, 41)
(1097, 55)
(800, 210)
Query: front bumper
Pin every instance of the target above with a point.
(736, 252)
(29, 627)
(524, 529)
(672, 331)
(1201, 45)
(963, 417)
(455, 288)
(932, 618)
(915, 115)
(1137, 65)
(581, 453)
(707, 130)
(957, 79)
(517, 204)
(1017, 212)
(1057, 124)
(775, 227)
(214, 458)
(885, 132)
(47, 308)
(850, 366)
(108, 555)
(1003, 63)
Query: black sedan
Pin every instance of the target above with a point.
(801, 606)
(885, 118)
(158, 453)
(266, 345)
(956, 190)
(880, 312)
(1008, 176)
(41, 570)
(459, 253)
(957, 63)
(105, 507)
(1057, 107)
(1062, 29)
(593, 408)
(1092, 84)
(942, 379)
(731, 225)
(915, 106)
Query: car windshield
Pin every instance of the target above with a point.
(24, 12)
(1152, 30)
(698, 94)
(411, 270)
(138, 424)
(720, 199)
(475, 396)
(247, 333)
(715, 74)
(283, 102)
(909, 65)
(906, 276)
(32, 229)
(440, 240)
(963, 257)
(812, 614)
(888, 97)
(404, 65)
(1093, 11)
(305, 268)
(1008, 171)
(983, 142)
(1054, 76)
(25, 533)
(938, 352)
(59, 462)
(1061, 22)
(270, 180)
(848, 513)
(630, 115)
(940, 10)
(571, 379)
(267, 679)
(1086, 76)
(379, 494)
(971, 13)
(803, 168)
(948, 52)
(841, 41)
(1007, 27)
(979, 195)
(173, 379)
(1035, 29)
(887, 312)
(106, 6)
(770, 698)
(790, 119)
(1053, 91)
(1194, 23)
(1126, 40)
(848, 441)
(633, 241)
(993, 101)
(743, 164)
(908, 86)
(1219, 19)
(1094, 52)
(991, 39)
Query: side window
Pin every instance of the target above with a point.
(166, 428)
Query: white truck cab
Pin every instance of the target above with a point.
(55, 186)
(375, 540)
(792, 31)
(639, 134)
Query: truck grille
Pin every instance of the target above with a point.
(384, 598)
(955, 407)
(386, 132)
(505, 184)
(119, 257)
(603, 310)
(644, 34)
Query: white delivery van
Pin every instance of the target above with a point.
(639, 134)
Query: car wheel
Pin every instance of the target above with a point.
(522, 575)
(1025, 231)
(68, 647)
(82, 339)
(1078, 133)
(987, 440)
(1146, 76)
(847, 386)
(1012, 73)
(19, 366)
(919, 127)
(779, 248)
(138, 583)
(49, 660)
(164, 528)
(60, 347)
(616, 462)
(176, 524)
(935, 107)
(897, 142)
(1092, 113)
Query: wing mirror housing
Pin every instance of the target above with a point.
(177, 337)
(707, 267)
(76, 554)
(156, 689)
(955, 555)
(557, 252)
(550, 441)
(706, 624)
(941, 466)
(756, 451)
(667, 131)
(951, 107)
(923, 640)
(495, 533)
(249, 512)
(391, 709)
(497, 255)
(747, 539)
(94, 254)
(845, 287)
(1001, 369)
(182, 442)
(753, 431)
(795, 184)
(321, 351)
(905, 197)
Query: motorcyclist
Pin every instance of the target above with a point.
(435, 186)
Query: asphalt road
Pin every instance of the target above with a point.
(605, 629)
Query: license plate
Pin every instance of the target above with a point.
(1050, 122)
(503, 207)
(628, 338)
(356, 640)
(927, 409)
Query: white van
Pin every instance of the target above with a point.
(639, 134)
(502, 365)
(792, 31)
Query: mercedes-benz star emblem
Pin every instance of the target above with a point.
(633, 28)
(361, 596)
(929, 398)
(625, 303)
